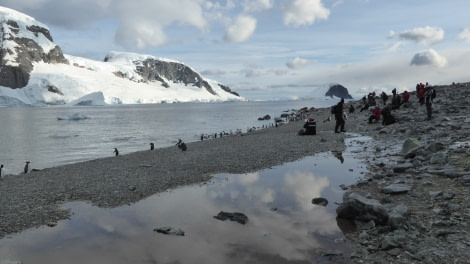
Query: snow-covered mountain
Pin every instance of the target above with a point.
(35, 72)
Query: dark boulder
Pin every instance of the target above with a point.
(320, 201)
(339, 91)
(357, 206)
(237, 217)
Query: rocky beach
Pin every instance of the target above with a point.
(414, 200)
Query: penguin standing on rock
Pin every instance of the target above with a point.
(26, 167)
(152, 146)
(116, 151)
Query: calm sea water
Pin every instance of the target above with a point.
(37, 135)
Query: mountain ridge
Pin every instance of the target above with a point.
(34, 71)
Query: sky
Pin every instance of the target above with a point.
(274, 49)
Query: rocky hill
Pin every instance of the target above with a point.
(339, 91)
(38, 72)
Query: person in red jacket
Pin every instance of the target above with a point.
(405, 97)
(421, 91)
(375, 114)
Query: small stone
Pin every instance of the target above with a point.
(320, 201)
(167, 230)
(396, 188)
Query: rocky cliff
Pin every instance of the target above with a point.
(339, 91)
(34, 71)
(165, 71)
(22, 44)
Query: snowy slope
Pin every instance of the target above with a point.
(85, 81)
(85, 76)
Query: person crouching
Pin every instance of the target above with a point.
(310, 127)
(375, 114)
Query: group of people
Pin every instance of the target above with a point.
(310, 126)
(425, 93)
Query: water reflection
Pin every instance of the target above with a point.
(284, 226)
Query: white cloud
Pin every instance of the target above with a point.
(242, 29)
(144, 27)
(394, 47)
(337, 3)
(428, 57)
(304, 12)
(66, 14)
(424, 35)
(297, 63)
(134, 34)
(256, 5)
(464, 35)
(252, 71)
(213, 72)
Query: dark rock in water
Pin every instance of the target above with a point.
(167, 230)
(266, 117)
(339, 91)
(320, 201)
(238, 217)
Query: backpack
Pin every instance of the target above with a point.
(430, 93)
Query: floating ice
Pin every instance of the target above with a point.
(74, 117)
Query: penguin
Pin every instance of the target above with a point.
(1, 167)
(181, 145)
(116, 151)
(26, 167)
(152, 146)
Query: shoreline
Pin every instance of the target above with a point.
(34, 199)
(436, 227)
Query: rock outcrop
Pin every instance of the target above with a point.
(339, 91)
(22, 44)
(163, 71)
(27, 52)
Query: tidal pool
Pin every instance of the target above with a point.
(283, 227)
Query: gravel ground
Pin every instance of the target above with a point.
(438, 208)
(34, 199)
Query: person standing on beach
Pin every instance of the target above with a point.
(338, 110)
(405, 97)
(429, 95)
(420, 94)
(384, 97)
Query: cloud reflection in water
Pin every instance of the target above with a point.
(290, 233)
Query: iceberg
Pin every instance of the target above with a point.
(74, 117)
